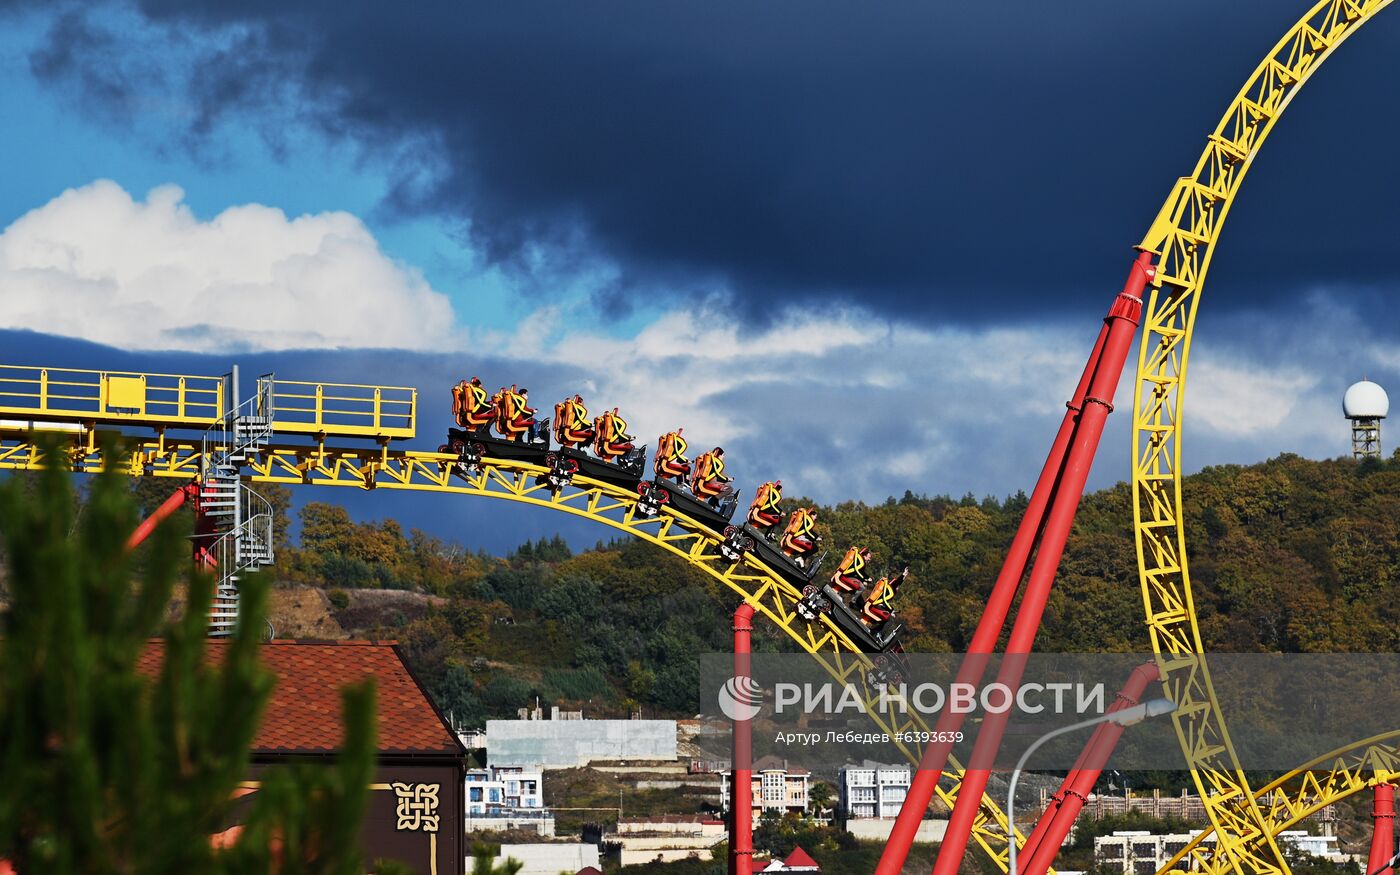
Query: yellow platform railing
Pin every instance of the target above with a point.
(344, 409)
(72, 395)
(37, 397)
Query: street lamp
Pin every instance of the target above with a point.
(1123, 717)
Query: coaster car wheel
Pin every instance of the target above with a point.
(887, 670)
(561, 471)
(735, 544)
(813, 603)
(651, 498)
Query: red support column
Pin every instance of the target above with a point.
(1383, 836)
(741, 767)
(1050, 831)
(989, 627)
(1122, 320)
(177, 499)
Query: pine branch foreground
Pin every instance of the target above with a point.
(107, 770)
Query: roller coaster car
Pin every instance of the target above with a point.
(797, 570)
(882, 642)
(658, 493)
(565, 462)
(471, 447)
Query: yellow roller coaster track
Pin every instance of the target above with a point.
(80, 404)
(1184, 237)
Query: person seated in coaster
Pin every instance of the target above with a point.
(877, 610)
(708, 482)
(610, 438)
(800, 537)
(851, 575)
(515, 418)
(763, 511)
(670, 462)
(471, 406)
(572, 427)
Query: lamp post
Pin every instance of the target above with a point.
(1123, 717)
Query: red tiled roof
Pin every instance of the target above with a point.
(800, 859)
(303, 714)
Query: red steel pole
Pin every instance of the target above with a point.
(177, 500)
(1122, 320)
(1050, 831)
(1383, 837)
(989, 627)
(741, 769)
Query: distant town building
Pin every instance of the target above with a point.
(472, 739)
(873, 791)
(1139, 852)
(552, 858)
(666, 838)
(1324, 846)
(570, 742)
(1186, 806)
(1136, 852)
(775, 787)
(507, 797)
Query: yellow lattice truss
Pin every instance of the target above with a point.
(1184, 236)
(1306, 791)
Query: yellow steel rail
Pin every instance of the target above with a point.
(1184, 236)
(1305, 791)
(383, 468)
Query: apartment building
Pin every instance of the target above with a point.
(775, 787)
(873, 791)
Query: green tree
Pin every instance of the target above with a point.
(108, 769)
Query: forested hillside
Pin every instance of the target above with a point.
(1291, 555)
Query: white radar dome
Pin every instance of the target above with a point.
(1365, 400)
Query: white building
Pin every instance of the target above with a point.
(1324, 846)
(775, 787)
(500, 787)
(551, 859)
(569, 742)
(1138, 852)
(873, 791)
(507, 797)
(1143, 853)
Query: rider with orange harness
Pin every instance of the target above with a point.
(851, 576)
(572, 428)
(800, 537)
(670, 459)
(610, 439)
(763, 512)
(877, 611)
(471, 406)
(708, 482)
(514, 417)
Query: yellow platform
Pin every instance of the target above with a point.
(53, 397)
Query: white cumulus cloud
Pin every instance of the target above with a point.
(97, 264)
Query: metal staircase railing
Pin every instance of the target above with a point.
(242, 519)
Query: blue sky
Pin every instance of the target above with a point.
(885, 236)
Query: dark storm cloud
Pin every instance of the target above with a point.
(938, 160)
